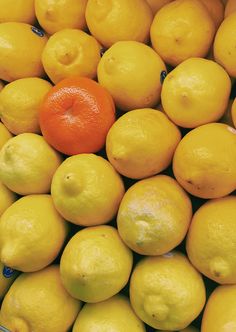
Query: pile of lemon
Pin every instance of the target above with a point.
(141, 236)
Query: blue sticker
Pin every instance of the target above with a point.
(7, 272)
(163, 76)
(3, 329)
(37, 31)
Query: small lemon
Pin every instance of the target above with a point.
(204, 161)
(110, 21)
(167, 292)
(71, 52)
(131, 72)
(230, 7)
(157, 4)
(141, 143)
(233, 112)
(17, 11)
(54, 15)
(95, 264)
(114, 314)
(7, 276)
(38, 302)
(21, 47)
(87, 190)
(7, 197)
(20, 101)
(182, 29)
(196, 92)
(27, 164)
(220, 311)
(216, 10)
(5, 134)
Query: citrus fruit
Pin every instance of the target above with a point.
(54, 15)
(233, 112)
(167, 292)
(27, 164)
(7, 276)
(115, 20)
(204, 161)
(76, 116)
(95, 264)
(196, 92)
(141, 143)
(38, 302)
(114, 314)
(5, 135)
(148, 221)
(20, 101)
(71, 52)
(230, 7)
(157, 4)
(182, 29)
(86, 190)
(21, 47)
(131, 72)
(216, 10)
(17, 11)
(7, 197)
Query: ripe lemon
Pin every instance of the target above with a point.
(7, 276)
(95, 264)
(224, 45)
(17, 11)
(148, 220)
(87, 190)
(182, 29)
(7, 197)
(38, 302)
(204, 161)
(131, 72)
(167, 292)
(220, 311)
(54, 15)
(20, 101)
(157, 4)
(141, 143)
(196, 92)
(114, 314)
(230, 7)
(5, 134)
(27, 164)
(71, 52)
(216, 10)
(32, 233)
(21, 47)
(110, 21)
(233, 112)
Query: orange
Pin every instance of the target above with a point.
(230, 7)
(76, 116)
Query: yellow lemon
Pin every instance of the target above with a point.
(17, 11)
(5, 135)
(227, 117)
(114, 314)
(32, 233)
(71, 52)
(220, 311)
(157, 4)
(188, 329)
(54, 15)
(182, 29)
(7, 276)
(87, 190)
(7, 197)
(149, 221)
(167, 292)
(204, 161)
(141, 143)
(27, 164)
(20, 102)
(233, 112)
(95, 264)
(196, 92)
(224, 45)
(38, 302)
(230, 7)
(216, 10)
(110, 21)
(131, 72)
(21, 47)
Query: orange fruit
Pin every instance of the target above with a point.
(76, 116)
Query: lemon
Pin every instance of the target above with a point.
(20, 102)
(233, 112)
(7, 197)
(32, 233)
(167, 292)
(204, 161)
(131, 72)
(182, 29)
(5, 135)
(95, 264)
(87, 190)
(149, 221)
(27, 164)
(38, 302)
(17, 11)
(196, 92)
(71, 52)
(141, 143)
(157, 4)
(216, 10)
(224, 45)
(110, 21)
(7, 276)
(55, 15)
(21, 47)
(114, 314)
(230, 7)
